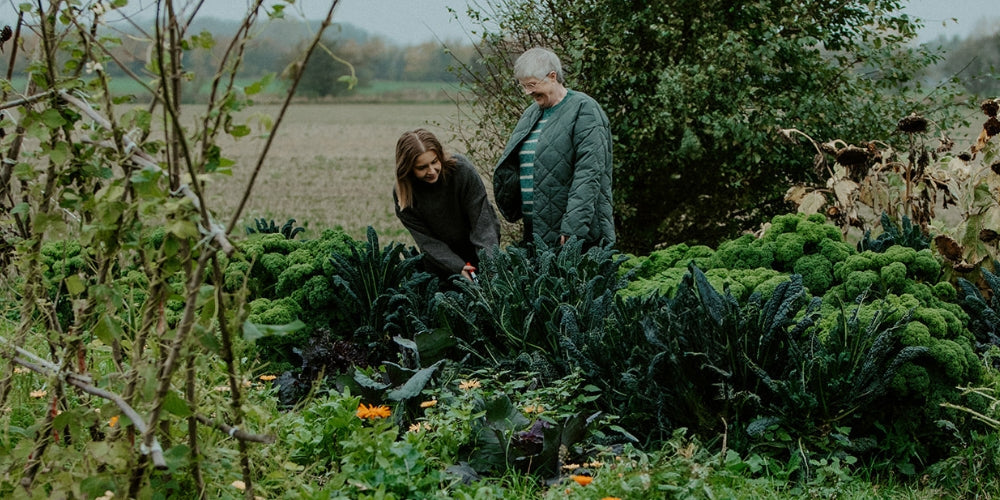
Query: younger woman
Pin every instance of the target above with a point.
(442, 202)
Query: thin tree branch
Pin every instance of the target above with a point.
(83, 382)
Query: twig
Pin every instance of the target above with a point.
(37, 364)
(26, 100)
(235, 432)
(299, 71)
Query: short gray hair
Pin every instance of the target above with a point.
(538, 63)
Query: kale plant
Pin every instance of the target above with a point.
(907, 234)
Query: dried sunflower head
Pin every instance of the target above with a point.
(851, 156)
(913, 124)
(992, 126)
(990, 107)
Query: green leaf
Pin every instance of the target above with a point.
(52, 118)
(183, 229)
(208, 340)
(177, 457)
(174, 404)
(259, 85)
(108, 329)
(414, 385)
(60, 153)
(21, 208)
(75, 285)
(25, 172)
(239, 130)
(253, 331)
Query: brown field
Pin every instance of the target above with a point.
(331, 165)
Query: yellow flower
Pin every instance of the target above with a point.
(240, 485)
(415, 427)
(611, 498)
(372, 411)
(428, 404)
(18, 369)
(40, 393)
(469, 384)
(534, 409)
(268, 378)
(582, 480)
(113, 422)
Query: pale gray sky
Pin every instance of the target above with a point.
(415, 21)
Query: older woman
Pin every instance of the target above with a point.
(555, 171)
(442, 202)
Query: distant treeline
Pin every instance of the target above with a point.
(352, 53)
(359, 57)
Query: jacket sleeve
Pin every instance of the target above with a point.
(592, 141)
(434, 250)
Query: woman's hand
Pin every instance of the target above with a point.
(469, 272)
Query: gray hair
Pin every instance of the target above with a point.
(538, 63)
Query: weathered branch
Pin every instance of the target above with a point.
(235, 432)
(39, 365)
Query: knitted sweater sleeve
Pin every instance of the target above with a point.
(434, 249)
(483, 222)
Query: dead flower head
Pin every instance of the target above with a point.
(852, 156)
(990, 107)
(992, 126)
(913, 124)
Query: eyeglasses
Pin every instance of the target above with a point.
(530, 86)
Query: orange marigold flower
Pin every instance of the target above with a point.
(469, 384)
(113, 422)
(582, 480)
(372, 411)
(428, 404)
(268, 378)
(611, 498)
(534, 409)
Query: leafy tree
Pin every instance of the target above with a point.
(696, 90)
(973, 61)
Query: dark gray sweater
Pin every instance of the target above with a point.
(451, 220)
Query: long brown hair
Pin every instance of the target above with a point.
(409, 147)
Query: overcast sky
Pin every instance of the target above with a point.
(414, 21)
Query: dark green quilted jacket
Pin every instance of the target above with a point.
(572, 193)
